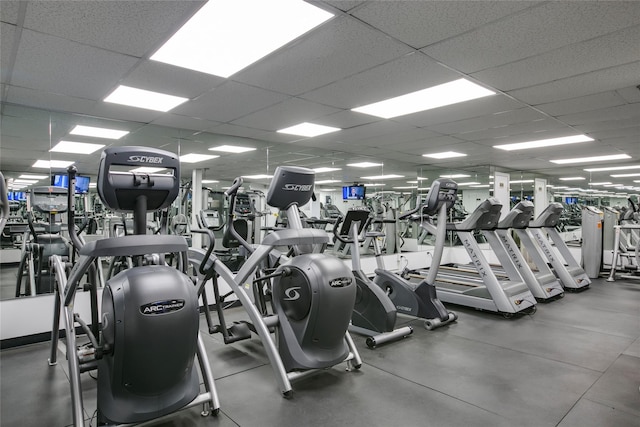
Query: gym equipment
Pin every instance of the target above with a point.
(45, 241)
(591, 253)
(145, 347)
(542, 283)
(507, 297)
(617, 253)
(374, 314)
(311, 294)
(421, 300)
(533, 238)
(4, 203)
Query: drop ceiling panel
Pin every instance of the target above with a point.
(589, 128)
(544, 28)
(376, 129)
(242, 131)
(131, 27)
(582, 85)
(52, 101)
(7, 42)
(619, 112)
(429, 145)
(285, 114)
(405, 20)
(398, 140)
(229, 101)
(630, 94)
(489, 121)
(333, 51)
(403, 75)
(344, 5)
(465, 110)
(582, 104)
(183, 122)
(347, 119)
(122, 112)
(58, 66)
(631, 131)
(9, 11)
(613, 49)
(530, 130)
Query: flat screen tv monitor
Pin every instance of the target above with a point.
(571, 200)
(353, 192)
(82, 183)
(17, 196)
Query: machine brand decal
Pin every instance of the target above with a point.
(292, 293)
(162, 307)
(511, 251)
(297, 187)
(544, 246)
(340, 282)
(474, 258)
(146, 159)
(403, 308)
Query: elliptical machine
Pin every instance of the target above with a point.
(374, 314)
(145, 348)
(421, 300)
(311, 294)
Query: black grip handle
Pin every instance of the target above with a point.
(237, 183)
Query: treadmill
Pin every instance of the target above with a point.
(534, 239)
(543, 284)
(507, 296)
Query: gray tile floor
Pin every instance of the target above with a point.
(576, 362)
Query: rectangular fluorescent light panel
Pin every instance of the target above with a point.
(591, 159)
(322, 170)
(624, 175)
(572, 178)
(600, 183)
(364, 165)
(612, 168)
(98, 132)
(410, 187)
(455, 175)
(375, 184)
(257, 176)
(470, 183)
(444, 155)
(224, 37)
(24, 181)
(574, 139)
(209, 181)
(232, 149)
(195, 158)
(327, 181)
(382, 177)
(308, 129)
(521, 181)
(76, 147)
(140, 98)
(55, 164)
(480, 186)
(29, 176)
(426, 99)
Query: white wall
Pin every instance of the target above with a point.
(472, 198)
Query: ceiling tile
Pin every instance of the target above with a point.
(630, 94)
(229, 101)
(589, 128)
(335, 50)
(7, 41)
(544, 28)
(583, 103)
(52, 101)
(488, 121)
(9, 11)
(285, 114)
(619, 112)
(405, 20)
(586, 84)
(182, 122)
(130, 27)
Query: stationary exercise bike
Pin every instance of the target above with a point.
(145, 348)
(421, 300)
(310, 295)
(374, 314)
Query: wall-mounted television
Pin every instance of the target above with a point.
(571, 200)
(16, 196)
(82, 183)
(353, 192)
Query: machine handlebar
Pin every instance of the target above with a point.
(237, 183)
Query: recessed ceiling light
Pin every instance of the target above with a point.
(76, 147)
(224, 37)
(560, 187)
(209, 181)
(364, 164)
(29, 176)
(53, 164)
(469, 183)
(635, 180)
(98, 132)
(322, 170)
(444, 155)
(572, 178)
(375, 184)
(409, 187)
(24, 181)
(422, 179)
(521, 181)
(573, 139)
(327, 181)
(140, 98)
(433, 97)
(263, 176)
(232, 149)
(92, 185)
(146, 169)
(412, 182)
(455, 175)
(195, 158)
(591, 159)
(308, 129)
(612, 168)
(382, 177)
(613, 185)
(624, 175)
(600, 183)
(480, 186)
